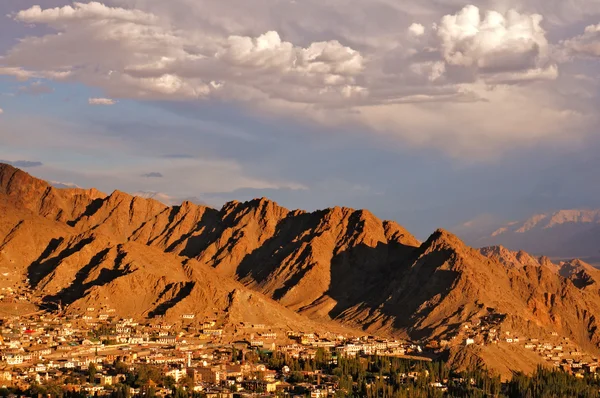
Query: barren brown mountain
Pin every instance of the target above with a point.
(259, 262)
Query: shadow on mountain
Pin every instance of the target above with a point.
(79, 288)
(90, 210)
(43, 266)
(184, 290)
(207, 229)
(389, 284)
(289, 238)
(173, 211)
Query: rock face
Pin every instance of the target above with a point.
(73, 248)
(259, 262)
(563, 234)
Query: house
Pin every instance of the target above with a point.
(207, 375)
(6, 376)
(273, 386)
(14, 359)
(106, 380)
(212, 332)
(176, 374)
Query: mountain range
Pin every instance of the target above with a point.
(338, 269)
(560, 235)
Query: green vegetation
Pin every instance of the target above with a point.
(385, 377)
(364, 377)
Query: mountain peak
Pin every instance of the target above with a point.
(442, 237)
(14, 180)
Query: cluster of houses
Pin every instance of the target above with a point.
(43, 348)
(556, 351)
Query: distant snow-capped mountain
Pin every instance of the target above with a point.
(167, 199)
(58, 184)
(562, 234)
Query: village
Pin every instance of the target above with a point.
(556, 351)
(100, 354)
(95, 354)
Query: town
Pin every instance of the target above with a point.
(48, 352)
(93, 354)
(96, 354)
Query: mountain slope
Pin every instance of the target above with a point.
(261, 262)
(42, 198)
(78, 266)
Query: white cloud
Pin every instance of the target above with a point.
(268, 51)
(92, 11)
(508, 42)
(380, 69)
(586, 44)
(131, 53)
(1, 111)
(416, 29)
(101, 101)
(433, 70)
(23, 75)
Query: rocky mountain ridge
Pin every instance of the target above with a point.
(257, 261)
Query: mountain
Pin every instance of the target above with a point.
(165, 198)
(562, 234)
(48, 247)
(333, 269)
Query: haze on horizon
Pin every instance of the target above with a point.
(431, 113)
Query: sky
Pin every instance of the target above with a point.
(432, 113)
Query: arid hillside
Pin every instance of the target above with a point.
(259, 262)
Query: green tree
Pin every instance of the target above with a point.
(92, 370)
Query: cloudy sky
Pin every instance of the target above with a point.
(429, 112)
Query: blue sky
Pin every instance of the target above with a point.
(431, 113)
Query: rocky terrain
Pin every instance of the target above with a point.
(259, 262)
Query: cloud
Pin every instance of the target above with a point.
(1, 111)
(510, 42)
(101, 101)
(179, 156)
(396, 78)
(23, 75)
(416, 29)
(132, 53)
(83, 12)
(36, 88)
(153, 174)
(22, 163)
(586, 44)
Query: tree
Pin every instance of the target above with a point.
(92, 373)
(180, 393)
(121, 367)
